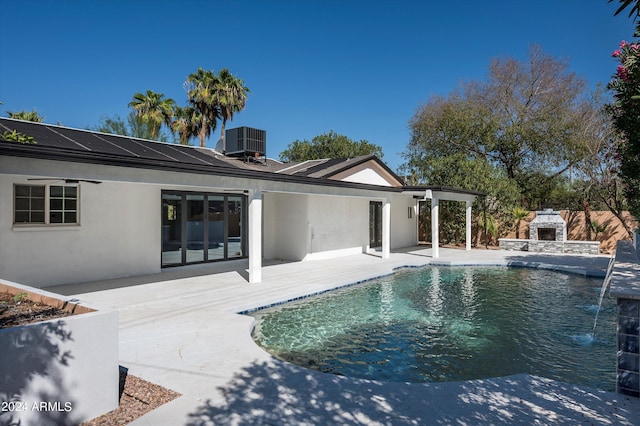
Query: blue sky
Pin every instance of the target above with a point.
(358, 67)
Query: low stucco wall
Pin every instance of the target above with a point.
(61, 371)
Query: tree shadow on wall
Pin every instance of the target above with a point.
(280, 393)
(31, 375)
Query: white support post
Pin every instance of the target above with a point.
(386, 228)
(468, 226)
(255, 237)
(416, 214)
(435, 227)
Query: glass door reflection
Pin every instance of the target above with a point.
(216, 227)
(201, 227)
(235, 246)
(195, 228)
(171, 229)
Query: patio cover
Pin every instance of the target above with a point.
(437, 193)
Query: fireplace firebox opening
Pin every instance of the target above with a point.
(546, 234)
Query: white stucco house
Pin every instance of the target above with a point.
(77, 206)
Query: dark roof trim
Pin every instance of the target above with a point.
(441, 188)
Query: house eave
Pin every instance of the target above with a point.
(57, 154)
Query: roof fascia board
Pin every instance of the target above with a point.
(443, 193)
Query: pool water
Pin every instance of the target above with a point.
(450, 324)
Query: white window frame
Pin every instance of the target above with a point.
(47, 206)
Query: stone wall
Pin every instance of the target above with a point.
(545, 246)
(581, 247)
(539, 246)
(513, 244)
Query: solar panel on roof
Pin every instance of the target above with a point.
(301, 167)
(211, 156)
(115, 142)
(41, 134)
(92, 143)
(111, 145)
(167, 150)
(195, 156)
(136, 148)
(322, 166)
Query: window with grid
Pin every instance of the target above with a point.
(63, 204)
(29, 204)
(45, 204)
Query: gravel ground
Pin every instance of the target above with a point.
(137, 397)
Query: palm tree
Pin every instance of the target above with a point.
(519, 215)
(598, 228)
(231, 97)
(183, 124)
(490, 225)
(201, 87)
(153, 109)
(635, 7)
(26, 116)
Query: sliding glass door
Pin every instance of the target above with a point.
(375, 224)
(195, 228)
(216, 227)
(235, 214)
(202, 227)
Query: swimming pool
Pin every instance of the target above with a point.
(450, 324)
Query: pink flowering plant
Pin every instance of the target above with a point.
(625, 112)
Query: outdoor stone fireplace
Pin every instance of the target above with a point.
(548, 225)
(548, 234)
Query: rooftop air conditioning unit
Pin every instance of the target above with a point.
(246, 142)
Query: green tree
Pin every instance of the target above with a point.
(153, 108)
(634, 4)
(600, 183)
(231, 97)
(328, 145)
(201, 90)
(133, 127)
(519, 214)
(522, 118)
(476, 174)
(26, 116)
(598, 228)
(514, 135)
(183, 124)
(625, 86)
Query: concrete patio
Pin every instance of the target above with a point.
(180, 329)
